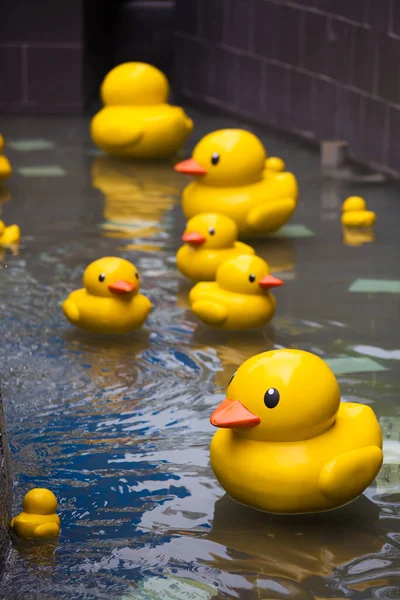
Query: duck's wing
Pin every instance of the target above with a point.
(210, 311)
(71, 310)
(111, 129)
(349, 474)
(270, 216)
(47, 530)
(143, 304)
(5, 167)
(11, 235)
(201, 290)
(365, 218)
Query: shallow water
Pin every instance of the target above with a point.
(118, 427)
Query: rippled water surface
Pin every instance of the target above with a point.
(119, 427)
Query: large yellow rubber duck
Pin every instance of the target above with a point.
(236, 179)
(286, 443)
(136, 120)
(239, 298)
(38, 519)
(210, 239)
(355, 213)
(5, 167)
(109, 301)
(9, 235)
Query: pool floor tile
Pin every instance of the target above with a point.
(373, 286)
(42, 171)
(350, 364)
(30, 145)
(293, 231)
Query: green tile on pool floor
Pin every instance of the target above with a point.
(29, 145)
(371, 286)
(293, 231)
(350, 364)
(43, 171)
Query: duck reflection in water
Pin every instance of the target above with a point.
(292, 549)
(233, 348)
(357, 236)
(137, 195)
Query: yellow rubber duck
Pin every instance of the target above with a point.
(236, 179)
(210, 239)
(9, 235)
(239, 298)
(137, 121)
(355, 213)
(286, 443)
(38, 519)
(5, 167)
(109, 301)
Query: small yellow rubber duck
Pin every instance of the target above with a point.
(109, 301)
(5, 167)
(355, 213)
(9, 235)
(236, 179)
(137, 121)
(38, 519)
(286, 443)
(210, 239)
(239, 298)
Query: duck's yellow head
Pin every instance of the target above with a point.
(227, 157)
(246, 274)
(280, 396)
(134, 84)
(39, 501)
(111, 277)
(2, 227)
(354, 203)
(211, 231)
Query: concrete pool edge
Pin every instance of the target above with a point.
(6, 487)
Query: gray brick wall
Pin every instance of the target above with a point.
(323, 69)
(50, 53)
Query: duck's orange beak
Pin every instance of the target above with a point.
(194, 238)
(190, 167)
(122, 287)
(269, 281)
(232, 414)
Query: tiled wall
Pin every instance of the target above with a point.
(48, 57)
(324, 69)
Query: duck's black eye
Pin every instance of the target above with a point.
(215, 158)
(137, 275)
(271, 398)
(211, 231)
(230, 381)
(102, 277)
(252, 278)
